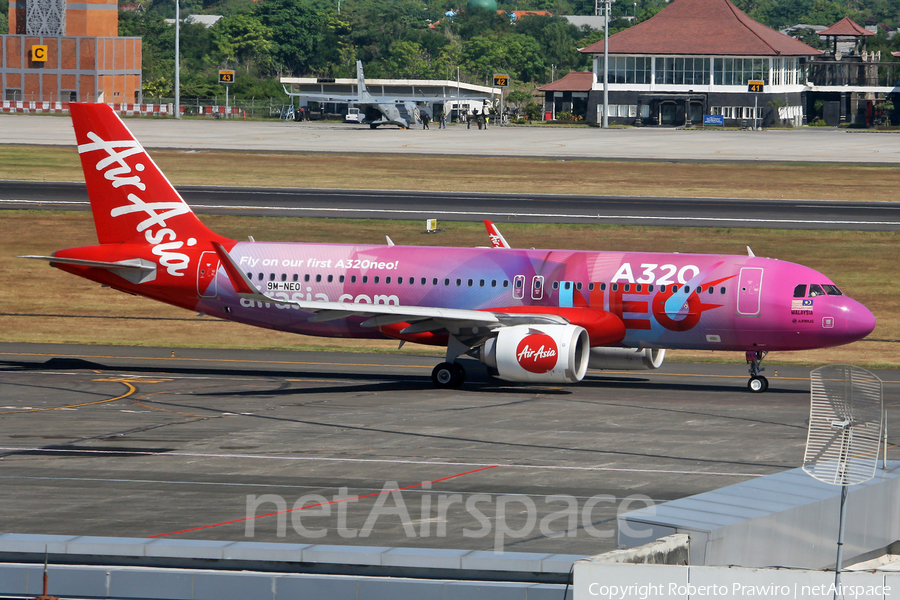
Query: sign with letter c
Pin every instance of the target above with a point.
(39, 54)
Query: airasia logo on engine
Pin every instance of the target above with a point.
(537, 353)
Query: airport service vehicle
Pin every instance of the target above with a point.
(541, 316)
(354, 115)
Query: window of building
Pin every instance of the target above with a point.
(738, 71)
(628, 69)
(677, 70)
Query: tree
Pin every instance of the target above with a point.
(298, 30)
(518, 54)
(244, 40)
(408, 60)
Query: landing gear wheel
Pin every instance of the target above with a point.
(448, 375)
(758, 384)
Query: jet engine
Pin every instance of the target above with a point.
(626, 359)
(538, 353)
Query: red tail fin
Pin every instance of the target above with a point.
(131, 199)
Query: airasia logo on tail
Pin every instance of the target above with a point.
(163, 240)
(537, 352)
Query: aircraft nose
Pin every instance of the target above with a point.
(860, 320)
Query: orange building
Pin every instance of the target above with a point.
(59, 51)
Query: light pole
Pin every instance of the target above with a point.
(606, 5)
(177, 61)
(635, 11)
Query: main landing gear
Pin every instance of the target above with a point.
(448, 375)
(757, 383)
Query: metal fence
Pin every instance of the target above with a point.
(254, 107)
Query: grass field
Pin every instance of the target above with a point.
(494, 174)
(42, 304)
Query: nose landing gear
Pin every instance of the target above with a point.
(757, 383)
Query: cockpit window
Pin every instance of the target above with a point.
(816, 290)
(832, 290)
(800, 291)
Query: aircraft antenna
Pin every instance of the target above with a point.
(845, 420)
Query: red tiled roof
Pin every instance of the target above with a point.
(845, 26)
(702, 27)
(575, 81)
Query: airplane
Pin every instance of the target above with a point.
(536, 316)
(398, 110)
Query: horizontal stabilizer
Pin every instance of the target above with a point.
(135, 270)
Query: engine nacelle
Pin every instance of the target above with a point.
(627, 359)
(538, 353)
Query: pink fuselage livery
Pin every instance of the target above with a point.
(690, 301)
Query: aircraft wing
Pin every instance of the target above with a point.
(421, 318)
(351, 98)
(357, 99)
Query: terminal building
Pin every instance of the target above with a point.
(696, 57)
(58, 51)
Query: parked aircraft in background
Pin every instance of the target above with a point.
(542, 316)
(400, 110)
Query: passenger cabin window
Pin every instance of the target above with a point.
(537, 287)
(800, 291)
(519, 287)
